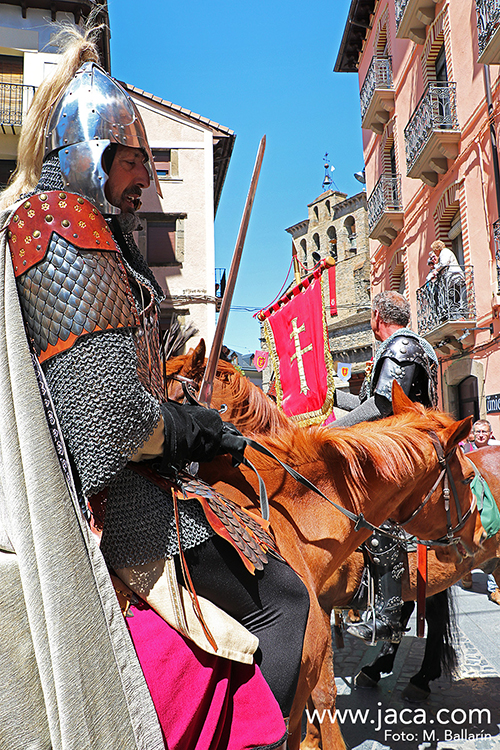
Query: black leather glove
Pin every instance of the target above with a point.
(195, 433)
(232, 442)
(192, 433)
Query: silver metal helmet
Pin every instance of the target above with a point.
(94, 112)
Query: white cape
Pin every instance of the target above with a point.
(69, 675)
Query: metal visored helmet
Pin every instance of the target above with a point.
(94, 112)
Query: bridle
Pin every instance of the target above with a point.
(446, 477)
(359, 520)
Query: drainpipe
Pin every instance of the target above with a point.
(494, 149)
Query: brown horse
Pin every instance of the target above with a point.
(314, 537)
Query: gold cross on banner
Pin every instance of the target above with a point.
(298, 354)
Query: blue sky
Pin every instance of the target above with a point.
(257, 68)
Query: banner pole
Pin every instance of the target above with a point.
(205, 394)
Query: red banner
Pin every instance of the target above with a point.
(297, 337)
(332, 291)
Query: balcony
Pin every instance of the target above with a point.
(446, 307)
(377, 95)
(496, 236)
(14, 102)
(413, 17)
(432, 135)
(385, 210)
(488, 31)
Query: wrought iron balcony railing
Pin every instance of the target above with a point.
(14, 102)
(496, 236)
(488, 23)
(400, 9)
(436, 111)
(448, 298)
(384, 198)
(379, 76)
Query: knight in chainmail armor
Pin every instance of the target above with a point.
(91, 304)
(405, 357)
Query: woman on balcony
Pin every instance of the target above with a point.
(450, 292)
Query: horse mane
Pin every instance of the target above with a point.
(250, 407)
(255, 411)
(392, 446)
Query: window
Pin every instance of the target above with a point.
(350, 226)
(11, 90)
(332, 241)
(391, 193)
(440, 65)
(455, 235)
(7, 166)
(161, 243)
(316, 213)
(162, 158)
(303, 245)
(11, 69)
(468, 401)
(392, 160)
(402, 283)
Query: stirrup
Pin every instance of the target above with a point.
(376, 630)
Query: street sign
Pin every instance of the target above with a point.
(493, 404)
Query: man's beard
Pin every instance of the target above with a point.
(131, 200)
(129, 222)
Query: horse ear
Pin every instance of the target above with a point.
(199, 353)
(400, 401)
(195, 362)
(457, 432)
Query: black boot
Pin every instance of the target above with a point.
(386, 559)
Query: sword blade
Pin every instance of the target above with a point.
(205, 394)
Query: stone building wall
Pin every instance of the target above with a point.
(337, 226)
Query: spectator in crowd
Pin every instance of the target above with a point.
(483, 434)
(450, 281)
(469, 444)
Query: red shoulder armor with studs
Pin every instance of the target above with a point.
(72, 217)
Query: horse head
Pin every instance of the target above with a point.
(233, 395)
(449, 435)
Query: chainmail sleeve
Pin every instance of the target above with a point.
(106, 414)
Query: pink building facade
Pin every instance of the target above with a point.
(430, 107)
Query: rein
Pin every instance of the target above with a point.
(446, 477)
(359, 520)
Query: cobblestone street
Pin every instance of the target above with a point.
(460, 714)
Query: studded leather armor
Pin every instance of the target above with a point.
(70, 275)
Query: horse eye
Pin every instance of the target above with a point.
(467, 480)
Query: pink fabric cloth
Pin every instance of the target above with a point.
(203, 702)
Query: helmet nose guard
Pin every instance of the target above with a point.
(94, 112)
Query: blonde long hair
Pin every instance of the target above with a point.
(77, 45)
